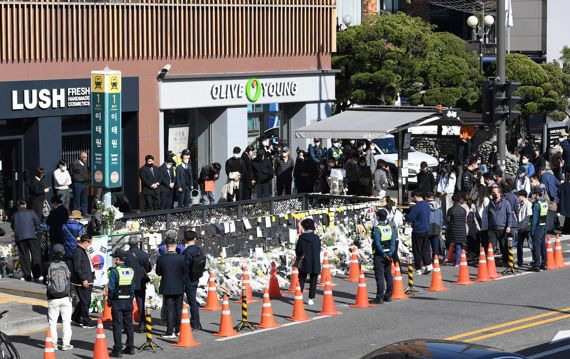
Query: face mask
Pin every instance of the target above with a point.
(336, 144)
(63, 168)
(265, 143)
(525, 161)
(317, 143)
(236, 155)
(352, 142)
(169, 165)
(185, 160)
(364, 147)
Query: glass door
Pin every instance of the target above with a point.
(11, 187)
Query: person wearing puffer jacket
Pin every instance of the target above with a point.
(71, 231)
(435, 224)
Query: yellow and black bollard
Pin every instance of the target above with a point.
(511, 264)
(411, 290)
(149, 344)
(244, 323)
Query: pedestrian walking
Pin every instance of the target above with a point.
(57, 217)
(247, 180)
(149, 175)
(435, 224)
(24, 224)
(37, 190)
(121, 293)
(384, 237)
(71, 231)
(419, 218)
(184, 180)
(82, 277)
(425, 179)
(500, 217)
(167, 182)
(138, 260)
(172, 267)
(196, 262)
(59, 297)
(62, 182)
(456, 230)
(538, 230)
(284, 172)
(524, 217)
(262, 174)
(308, 253)
(209, 174)
(79, 172)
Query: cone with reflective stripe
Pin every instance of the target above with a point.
(49, 350)
(354, 273)
(483, 271)
(213, 303)
(185, 340)
(362, 293)
(294, 279)
(326, 274)
(267, 318)
(328, 301)
(226, 322)
(491, 268)
(558, 254)
(392, 269)
(136, 314)
(101, 350)
(550, 265)
(463, 278)
(398, 293)
(274, 290)
(245, 282)
(451, 254)
(436, 278)
(299, 314)
(107, 317)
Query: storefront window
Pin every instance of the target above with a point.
(266, 120)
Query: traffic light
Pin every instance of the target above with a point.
(504, 101)
(488, 111)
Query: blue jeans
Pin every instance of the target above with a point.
(80, 196)
(539, 246)
(208, 198)
(435, 243)
(458, 253)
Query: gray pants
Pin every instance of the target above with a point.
(65, 196)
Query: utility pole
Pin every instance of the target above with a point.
(501, 78)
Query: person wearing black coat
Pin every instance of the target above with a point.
(25, 223)
(262, 174)
(149, 175)
(191, 253)
(56, 219)
(564, 207)
(37, 190)
(172, 267)
(138, 260)
(82, 277)
(247, 181)
(234, 163)
(184, 180)
(456, 230)
(309, 249)
(425, 179)
(166, 186)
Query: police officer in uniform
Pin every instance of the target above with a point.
(121, 294)
(384, 246)
(538, 230)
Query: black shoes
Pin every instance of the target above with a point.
(89, 325)
(387, 299)
(129, 351)
(535, 269)
(377, 301)
(197, 327)
(116, 354)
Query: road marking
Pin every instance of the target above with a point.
(563, 334)
(269, 329)
(549, 352)
(507, 324)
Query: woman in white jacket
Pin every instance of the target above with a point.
(446, 188)
(61, 182)
(481, 204)
(523, 182)
(524, 216)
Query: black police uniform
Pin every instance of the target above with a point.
(121, 294)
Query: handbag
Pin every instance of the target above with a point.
(298, 263)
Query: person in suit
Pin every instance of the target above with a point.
(149, 175)
(82, 277)
(172, 267)
(309, 248)
(24, 224)
(56, 219)
(247, 181)
(184, 180)
(37, 190)
(139, 261)
(191, 254)
(167, 180)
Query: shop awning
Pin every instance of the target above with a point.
(371, 122)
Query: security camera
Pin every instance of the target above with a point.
(162, 73)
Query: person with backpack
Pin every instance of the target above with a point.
(59, 297)
(71, 231)
(435, 224)
(139, 261)
(196, 266)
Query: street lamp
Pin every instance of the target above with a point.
(481, 26)
(346, 20)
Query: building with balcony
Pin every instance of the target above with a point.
(206, 75)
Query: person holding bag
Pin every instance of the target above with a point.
(308, 252)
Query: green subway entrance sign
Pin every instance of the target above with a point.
(106, 144)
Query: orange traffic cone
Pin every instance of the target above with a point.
(294, 280)
(101, 350)
(299, 314)
(463, 278)
(491, 268)
(354, 273)
(436, 278)
(362, 293)
(185, 340)
(274, 290)
(245, 283)
(49, 350)
(213, 303)
(550, 265)
(136, 314)
(451, 254)
(483, 271)
(326, 272)
(558, 254)
(392, 269)
(107, 316)
(398, 293)
(226, 325)
(267, 319)
(328, 301)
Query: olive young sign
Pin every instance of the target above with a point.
(106, 129)
(253, 90)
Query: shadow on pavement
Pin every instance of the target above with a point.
(28, 341)
(39, 309)
(557, 350)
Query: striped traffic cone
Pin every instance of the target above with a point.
(136, 313)
(326, 272)
(354, 273)
(483, 271)
(398, 293)
(362, 293)
(299, 314)
(49, 350)
(451, 254)
(226, 322)
(274, 290)
(185, 340)
(436, 278)
(100, 350)
(550, 265)
(463, 278)
(328, 301)
(107, 316)
(213, 303)
(267, 318)
(294, 279)
(245, 283)
(491, 267)
(558, 254)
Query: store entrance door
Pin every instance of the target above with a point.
(11, 185)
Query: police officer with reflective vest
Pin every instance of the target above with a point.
(121, 294)
(384, 246)
(538, 230)
(335, 152)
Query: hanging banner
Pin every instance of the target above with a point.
(100, 259)
(106, 166)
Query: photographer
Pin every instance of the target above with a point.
(384, 246)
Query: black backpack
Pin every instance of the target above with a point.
(198, 265)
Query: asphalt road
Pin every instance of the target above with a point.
(522, 313)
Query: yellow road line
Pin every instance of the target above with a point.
(507, 324)
(520, 327)
(7, 298)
